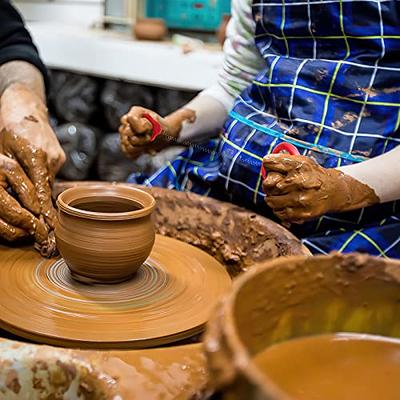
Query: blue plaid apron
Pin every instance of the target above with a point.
(331, 87)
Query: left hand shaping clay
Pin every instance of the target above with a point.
(298, 189)
(27, 138)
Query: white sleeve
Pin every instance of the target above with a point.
(242, 62)
(242, 58)
(380, 173)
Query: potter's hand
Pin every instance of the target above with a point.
(17, 222)
(136, 131)
(27, 137)
(298, 189)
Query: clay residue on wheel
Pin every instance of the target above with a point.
(176, 373)
(43, 372)
(236, 237)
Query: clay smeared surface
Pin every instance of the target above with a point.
(170, 373)
(305, 296)
(42, 372)
(170, 298)
(334, 367)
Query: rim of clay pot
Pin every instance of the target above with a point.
(247, 366)
(244, 362)
(146, 200)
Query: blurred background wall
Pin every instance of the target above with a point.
(99, 69)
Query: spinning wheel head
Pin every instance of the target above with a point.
(170, 298)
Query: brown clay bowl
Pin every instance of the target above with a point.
(150, 29)
(294, 297)
(105, 232)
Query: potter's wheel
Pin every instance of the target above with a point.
(169, 299)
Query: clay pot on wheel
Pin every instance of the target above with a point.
(105, 232)
(150, 29)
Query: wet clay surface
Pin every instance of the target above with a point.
(305, 296)
(236, 237)
(105, 205)
(169, 299)
(335, 367)
(43, 373)
(156, 374)
(298, 189)
(105, 233)
(169, 373)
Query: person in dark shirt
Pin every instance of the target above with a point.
(30, 154)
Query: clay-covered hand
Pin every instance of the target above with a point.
(298, 189)
(18, 221)
(136, 131)
(27, 137)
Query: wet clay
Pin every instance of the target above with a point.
(174, 373)
(35, 216)
(298, 189)
(27, 138)
(107, 205)
(305, 296)
(40, 372)
(105, 233)
(236, 237)
(334, 367)
(34, 162)
(170, 298)
(136, 131)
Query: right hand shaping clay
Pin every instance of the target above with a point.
(136, 131)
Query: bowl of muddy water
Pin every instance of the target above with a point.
(306, 328)
(104, 232)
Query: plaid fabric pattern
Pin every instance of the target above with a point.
(331, 86)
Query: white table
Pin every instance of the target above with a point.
(117, 56)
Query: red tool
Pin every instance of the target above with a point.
(157, 128)
(281, 148)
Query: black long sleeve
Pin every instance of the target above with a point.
(15, 41)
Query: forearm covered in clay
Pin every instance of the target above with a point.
(380, 173)
(23, 73)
